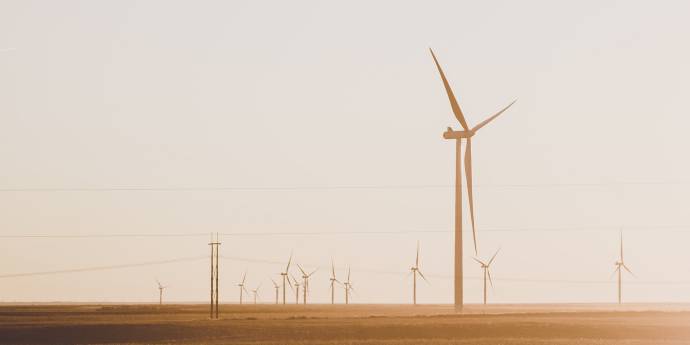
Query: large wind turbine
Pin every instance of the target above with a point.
(241, 286)
(415, 270)
(467, 133)
(333, 281)
(160, 292)
(277, 287)
(487, 272)
(305, 286)
(621, 264)
(285, 276)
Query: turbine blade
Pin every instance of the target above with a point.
(300, 268)
(488, 273)
(312, 272)
(493, 257)
(468, 175)
(621, 245)
(416, 263)
(348, 274)
(422, 275)
(479, 261)
(332, 268)
(288, 264)
(614, 272)
(274, 283)
(451, 97)
(244, 276)
(485, 122)
(629, 271)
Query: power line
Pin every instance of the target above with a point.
(102, 268)
(631, 228)
(330, 188)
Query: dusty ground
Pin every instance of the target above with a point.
(340, 324)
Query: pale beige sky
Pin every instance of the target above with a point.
(274, 95)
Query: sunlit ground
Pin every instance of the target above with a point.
(346, 324)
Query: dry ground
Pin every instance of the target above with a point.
(340, 324)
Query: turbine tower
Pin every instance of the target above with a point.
(348, 287)
(333, 281)
(241, 285)
(487, 272)
(466, 133)
(305, 286)
(276, 287)
(415, 270)
(296, 289)
(256, 292)
(621, 264)
(160, 292)
(285, 276)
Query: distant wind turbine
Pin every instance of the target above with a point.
(241, 285)
(348, 287)
(276, 287)
(256, 292)
(285, 276)
(621, 264)
(333, 281)
(160, 292)
(487, 272)
(415, 270)
(467, 134)
(305, 286)
(296, 283)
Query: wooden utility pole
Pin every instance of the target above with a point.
(214, 276)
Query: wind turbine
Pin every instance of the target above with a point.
(487, 272)
(296, 289)
(277, 287)
(256, 292)
(333, 281)
(348, 287)
(285, 276)
(160, 292)
(305, 286)
(241, 285)
(621, 264)
(467, 133)
(415, 270)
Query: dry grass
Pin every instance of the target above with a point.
(353, 324)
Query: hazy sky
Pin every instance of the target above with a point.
(330, 115)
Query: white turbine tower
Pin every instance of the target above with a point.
(305, 286)
(487, 273)
(415, 270)
(466, 133)
(285, 277)
(241, 285)
(276, 287)
(621, 264)
(160, 292)
(256, 292)
(333, 281)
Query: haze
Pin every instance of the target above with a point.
(312, 117)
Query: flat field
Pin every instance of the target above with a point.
(345, 324)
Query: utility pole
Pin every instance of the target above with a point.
(214, 276)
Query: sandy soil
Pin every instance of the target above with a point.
(341, 324)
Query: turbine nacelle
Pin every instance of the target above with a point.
(451, 134)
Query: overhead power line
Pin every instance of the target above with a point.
(103, 268)
(329, 188)
(633, 228)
